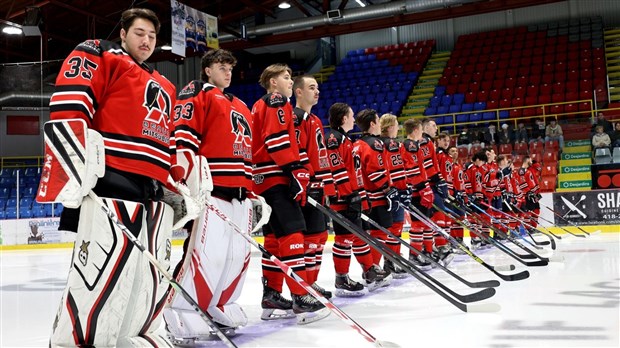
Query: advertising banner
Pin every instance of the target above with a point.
(600, 207)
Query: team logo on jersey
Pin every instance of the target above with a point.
(242, 131)
(158, 105)
(392, 145)
(412, 146)
(332, 141)
(258, 178)
(83, 253)
(320, 142)
(377, 145)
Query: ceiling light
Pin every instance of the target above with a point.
(10, 30)
(166, 48)
(361, 3)
(284, 5)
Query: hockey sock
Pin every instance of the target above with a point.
(342, 253)
(361, 250)
(415, 235)
(311, 244)
(292, 253)
(271, 272)
(457, 231)
(382, 237)
(397, 230)
(428, 240)
(534, 218)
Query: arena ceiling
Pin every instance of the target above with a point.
(66, 23)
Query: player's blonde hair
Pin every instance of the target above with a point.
(386, 120)
(273, 71)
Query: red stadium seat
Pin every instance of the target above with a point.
(520, 148)
(505, 149)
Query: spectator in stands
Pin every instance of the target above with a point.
(491, 137)
(521, 133)
(477, 137)
(506, 135)
(615, 136)
(538, 130)
(600, 139)
(464, 138)
(601, 121)
(554, 132)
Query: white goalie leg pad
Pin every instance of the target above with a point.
(105, 279)
(213, 273)
(74, 158)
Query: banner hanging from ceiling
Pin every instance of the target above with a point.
(192, 29)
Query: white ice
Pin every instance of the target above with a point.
(575, 303)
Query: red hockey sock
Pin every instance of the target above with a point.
(381, 237)
(397, 230)
(342, 253)
(292, 253)
(271, 272)
(428, 240)
(457, 232)
(312, 244)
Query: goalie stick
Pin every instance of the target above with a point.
(289, 272)
(112, 216)
(399, 260)
(483, 284)
(507, 277)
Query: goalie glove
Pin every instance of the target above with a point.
(262, 209)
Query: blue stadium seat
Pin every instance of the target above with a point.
(438, 120)
(480, 106)
(458, 98)
(475, 117)
(489, 115)
(504, 114)
(25, 212)
(454, 109)
(446, 100)
(430, 111)
(10, 213)
(38, 210)
(12, 202)
(462, 118)
(58, 209)
(467, 107)
(448, 120)
(6, 172)
(442, 110)
(440, 90)
(4, 194)
(435, 101)
(2, 214)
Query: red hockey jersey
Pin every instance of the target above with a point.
(130, 104)
(392, 157)
(216, 125)
(412, 159)
(375, 175)
(274, 148)
(445, 167)
(429, 158)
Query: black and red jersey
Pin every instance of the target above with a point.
(274, 148)
(475, 175)
(527, 181)
(218, 126)
(312, 150)
(392, 158)
(345, 166)
(374, 173)
(429, 158)
(491, 181)
(129, 103)
(458, 178)
(445, 164)
(412, 159)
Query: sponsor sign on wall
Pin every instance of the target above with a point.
(600, 207)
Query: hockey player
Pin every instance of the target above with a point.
(105, 90)
(312, 150)
(350, 201)
(529, 185)
(492, 194)
(445, 165)
(458, 192)
(282, 180)
(475, 173)
(396, 169)
(423, 195)
(434, 242)
(381, 195)
(216, 125)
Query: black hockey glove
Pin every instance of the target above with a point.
(392, 196)
(354, 206)
(442, 188)
(315, 190)
(460, 197)
(404, 196)
(506, 171)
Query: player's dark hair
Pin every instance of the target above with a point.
(480, 155)
(337, 112)
(273, 71)
(443, 135)
(300, 81)
(364, 118)
(412, 124)
(426, 120)
(129, 16)
(215, 57)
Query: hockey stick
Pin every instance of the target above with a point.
(507, 277)
(299, 280)
(524, 224)
(530, 254)
(112, 216)
(500, 246)
(572, 223)
(533, 243)
(562, 228)
(483, 284)
(398, 260)
(521, 211)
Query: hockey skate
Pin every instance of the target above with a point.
(195, 340)
(346, 287)
(457, 250)
(397, 271)
(308, 309)
(375, 278)
(420, 261)
(446, 255)
(476, 244)
(274, 305)
(320, 290)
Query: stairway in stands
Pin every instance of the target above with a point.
(423, 91)
(612, 55)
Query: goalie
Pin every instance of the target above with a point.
(215, 126)
(107, 97)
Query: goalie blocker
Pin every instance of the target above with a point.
(114, 296)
